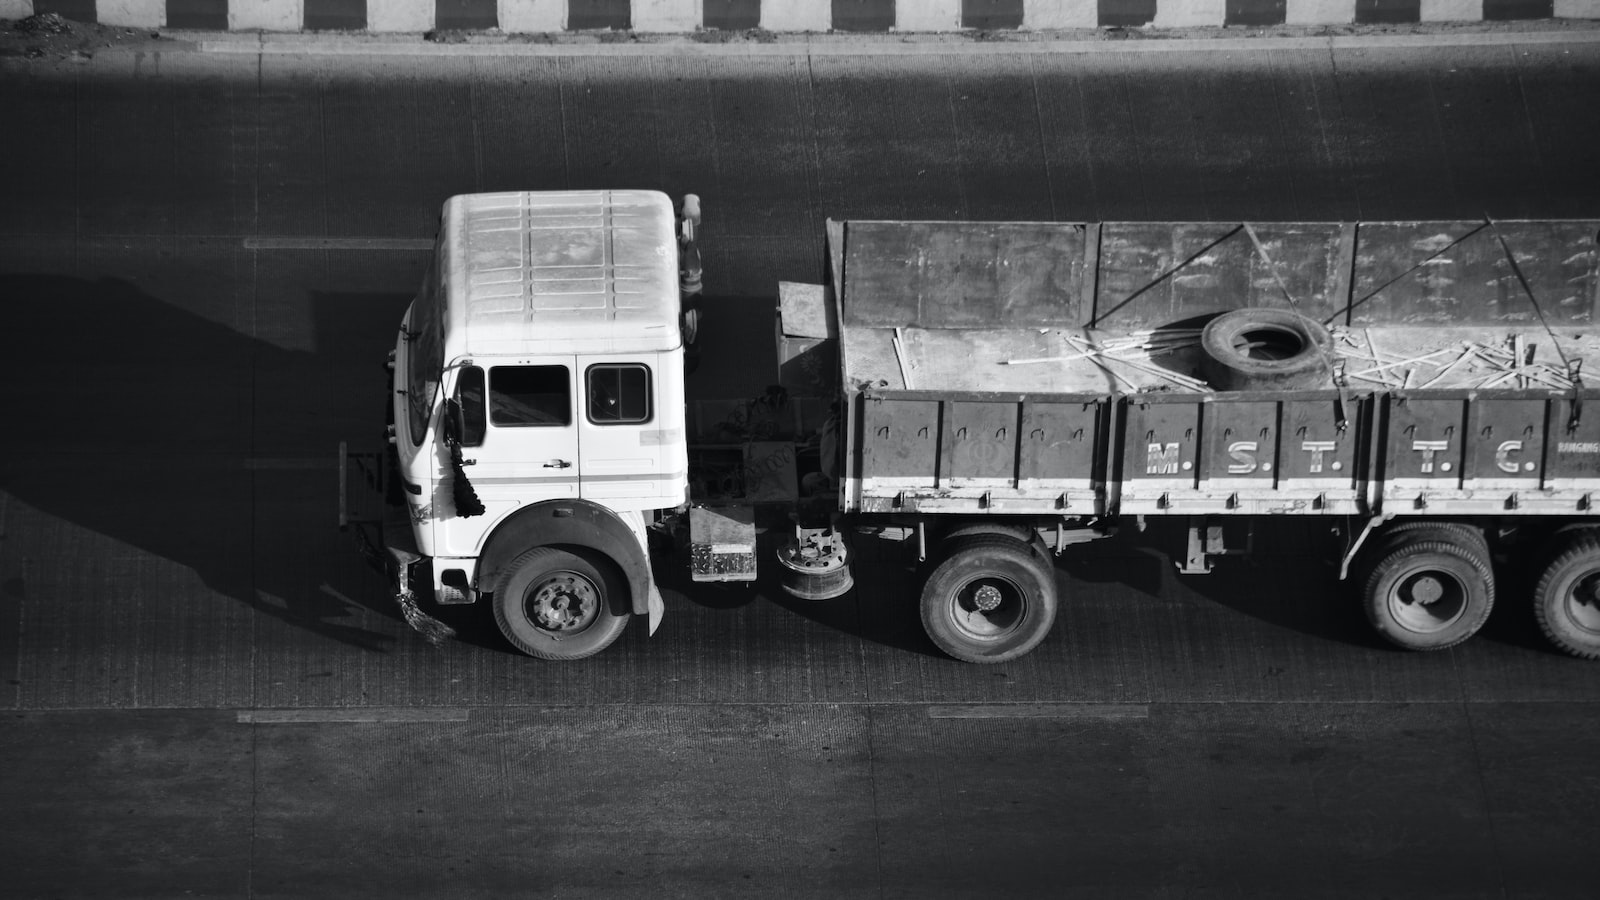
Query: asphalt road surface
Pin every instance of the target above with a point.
(203, 257)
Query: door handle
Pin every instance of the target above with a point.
(558, 464)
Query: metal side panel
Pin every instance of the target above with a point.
(962, 274)
(1155, 274)
(1457, 273)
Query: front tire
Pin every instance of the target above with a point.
(991, 600)
(1429, 594)
(1567, 600)
(554, 604)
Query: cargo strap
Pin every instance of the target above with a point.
(1573, 367)
(1343, 419)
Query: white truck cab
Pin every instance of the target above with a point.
(539, 407)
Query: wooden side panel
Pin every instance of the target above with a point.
(1240, 445)
(1059, 442)
(1426, 443)
(1315, 452)
(1161, 447)
(1574, 453)
(976, 452)
(900, 442)
(980, 442)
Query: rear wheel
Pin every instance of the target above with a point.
(1424, 594)
(992, 599)
(554, 604)
(1403, 531)
(1567, 600)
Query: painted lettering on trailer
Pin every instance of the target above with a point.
(1317, 449)
(1429, 449)
(1161, 459)
(1244, 460)
(1578, 447)
(1502, 458)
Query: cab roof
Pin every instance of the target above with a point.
(530, 273)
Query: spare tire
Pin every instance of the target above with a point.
(1265, 349)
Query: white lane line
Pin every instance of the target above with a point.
(288, 45)
(377, 715)
(1041, 711)
(284, 242)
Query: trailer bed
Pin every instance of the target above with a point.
(1022, 368)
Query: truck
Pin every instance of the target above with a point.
(988, 394)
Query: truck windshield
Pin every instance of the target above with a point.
(426, 359)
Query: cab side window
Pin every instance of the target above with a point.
(470, 394)
(619, 394)
(529, 395)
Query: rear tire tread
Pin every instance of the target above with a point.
(1585, 546)
(1480, 602)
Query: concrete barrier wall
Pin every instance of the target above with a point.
(668, 16)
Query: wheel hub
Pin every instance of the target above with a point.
(1428, 602)
(988, 609)
(565, 602)
(1583, 604)
(1426, 590)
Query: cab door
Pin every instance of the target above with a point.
(518, 441)
(621, 432)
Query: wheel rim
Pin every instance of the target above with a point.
(563, 603)
(1428, 601)
(988, 608)
(1583, 603)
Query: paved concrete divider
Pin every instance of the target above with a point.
(783, 16)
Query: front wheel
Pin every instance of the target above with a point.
(554, 604)
(991, 600)
(1429, 594)
(1567, 600)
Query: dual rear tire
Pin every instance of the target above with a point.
(1566, 601)
(1430, 585)
(1429, 589)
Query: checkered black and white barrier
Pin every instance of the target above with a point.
(524, 16)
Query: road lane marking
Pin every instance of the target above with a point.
(286, 242)
(380, 715)
(1041, 711)
(288, 45)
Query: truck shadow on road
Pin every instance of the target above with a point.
(1287, 583)
(191, 441)
(1285, 586)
